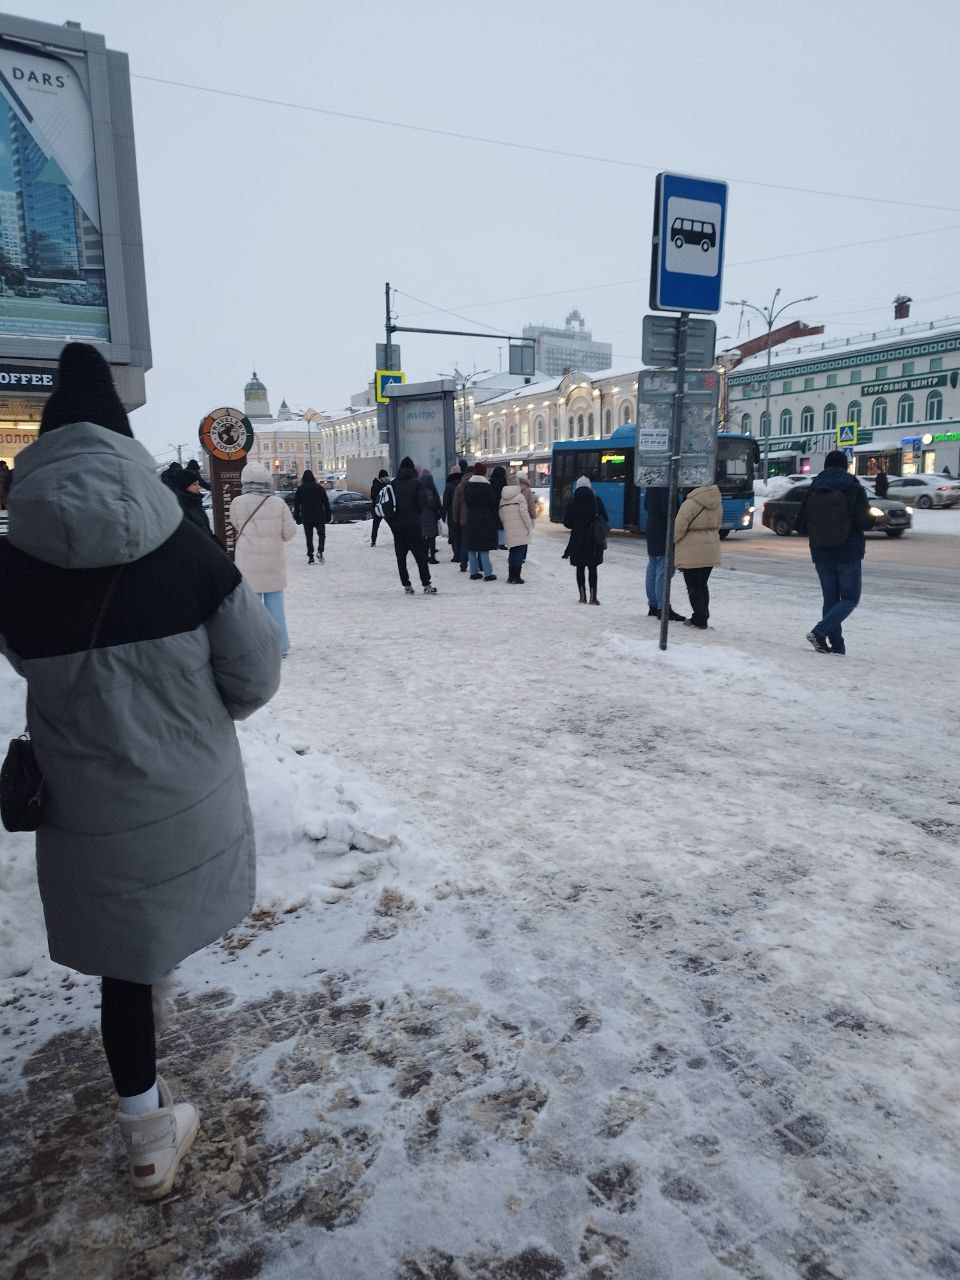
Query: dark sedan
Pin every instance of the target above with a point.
(345, 506)
(780, 514)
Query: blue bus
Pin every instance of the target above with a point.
(608, 464)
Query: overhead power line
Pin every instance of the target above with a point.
(525, 146)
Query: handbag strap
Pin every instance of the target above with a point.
(252, 514)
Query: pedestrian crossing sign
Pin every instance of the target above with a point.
(846, 434)
(384, 377)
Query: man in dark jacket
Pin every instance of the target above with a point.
(375, 490)
(405, 523)
(656, 501)
(446, 510)
(186, 486)
(880, 483)
(311, 508)
(834, 515)
(193, 466)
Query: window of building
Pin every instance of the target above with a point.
(498, 440)
(809, 383)
(786, 423)
(855, 375)
(831, 379)
(830, 418)
(512, 436)
(579, 424)
(556, 429)
(904, 410)
(936, 364)
(486, 442)
(881, 371)
(589, 424)
(934, 407)
(746, 422)
(570, 428)
(907, 368)
(787, 388)
(853, 412)
(279, 446)
(539, 429)
(764, 423)
(607, 421)
(878, 415)
(806, 419)
(626, 413)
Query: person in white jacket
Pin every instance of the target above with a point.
(517, 526)
(263, 523)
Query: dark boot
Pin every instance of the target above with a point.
(583, 595)
(593, 596)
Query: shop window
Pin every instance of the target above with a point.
(786, 423)
(934, 407)
(830, 418)
(746, 423)
(904, 410)
(853, 412)
(878, 415)
(806, 419)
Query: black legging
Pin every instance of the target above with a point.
(581, 581)
(126, 1025)
(321, 531)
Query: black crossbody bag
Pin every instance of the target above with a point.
(21, 778)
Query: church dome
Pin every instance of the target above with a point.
(254, 385)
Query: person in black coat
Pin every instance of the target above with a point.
(880, 483)
(311, 508)
(430, 514)
(498, 482)
(407, 538)
(187, 488)
(582, 549)
(482, 505)
(194, 467)
(446, 510)
(375, 490)
(657, 502)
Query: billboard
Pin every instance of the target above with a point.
(420, 416)
(52, 277)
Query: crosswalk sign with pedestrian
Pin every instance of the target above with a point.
(846, 434)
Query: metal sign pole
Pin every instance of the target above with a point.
(674, 477)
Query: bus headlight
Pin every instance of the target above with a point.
(751, 510)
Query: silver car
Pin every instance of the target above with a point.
(925, 491)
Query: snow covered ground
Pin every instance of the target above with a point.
(572, 958)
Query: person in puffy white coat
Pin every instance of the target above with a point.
(517, 527)
(263, 523)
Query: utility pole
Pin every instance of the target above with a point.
(179, 448)
(770, 317)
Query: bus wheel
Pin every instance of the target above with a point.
(724, 533)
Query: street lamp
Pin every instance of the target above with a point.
(770, 318)
(463, 380)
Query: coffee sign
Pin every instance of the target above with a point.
(28, 378)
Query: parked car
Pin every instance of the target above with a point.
(890, 517)
(346, 505)
(925, 491)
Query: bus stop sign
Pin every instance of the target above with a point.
(689, 229)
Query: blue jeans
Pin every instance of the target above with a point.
(273, 602)
(480, 562)
(841, 585)
(516, 556)
(655, 568)
(464, 554)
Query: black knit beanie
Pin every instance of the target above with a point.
(85, 393)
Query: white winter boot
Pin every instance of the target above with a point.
(157, 1142)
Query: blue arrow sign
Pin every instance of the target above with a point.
(689, 230)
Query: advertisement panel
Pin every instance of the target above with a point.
(420, 425)
(52, 270)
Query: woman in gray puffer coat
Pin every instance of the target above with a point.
(140, 645)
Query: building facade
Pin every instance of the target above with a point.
(900, 387)
(560, 351)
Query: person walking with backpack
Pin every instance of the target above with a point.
(696, 539)
(375, 490)
(517, 526)
(834, 515)
(407, 500)
(140, 644)
(263, 523)
(583, 515)
(482, 523)
(430, 515)
(311, 508)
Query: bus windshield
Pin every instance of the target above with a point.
(736, 465)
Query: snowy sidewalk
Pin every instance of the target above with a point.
(573, 959)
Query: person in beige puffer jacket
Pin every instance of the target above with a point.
(263, 523)
(517, 527)
(697, 547)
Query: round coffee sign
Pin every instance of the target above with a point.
(227, 434)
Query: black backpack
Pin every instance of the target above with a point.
(386, 507)
(828, 518)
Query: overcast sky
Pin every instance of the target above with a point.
(269, 232)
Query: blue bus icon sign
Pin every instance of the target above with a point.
(688, 238)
